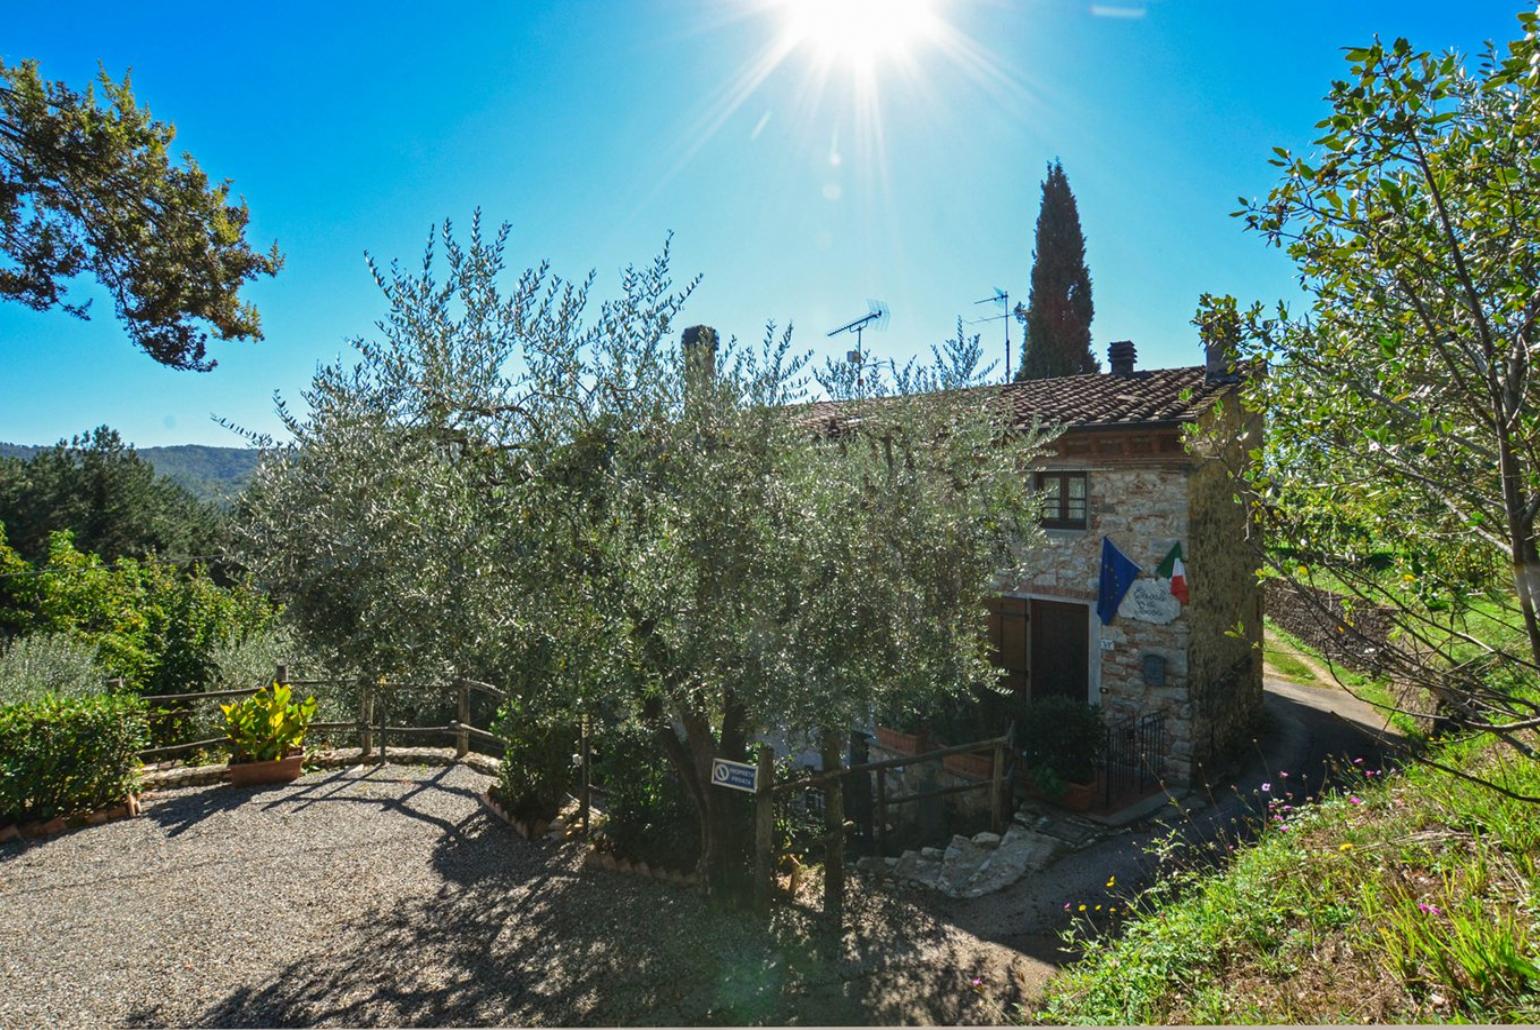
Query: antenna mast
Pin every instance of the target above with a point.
(877, 317)
(1002, 298)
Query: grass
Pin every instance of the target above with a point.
(1410, 897)
(1287, 665)
(1283, 649)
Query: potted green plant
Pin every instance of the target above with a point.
(1061, 741)
(266, 731)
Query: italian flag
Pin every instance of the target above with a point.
(1171, 568)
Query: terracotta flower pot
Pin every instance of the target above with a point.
(903, 743)
(976, 766)
(280, 770)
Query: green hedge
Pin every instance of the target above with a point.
(61, 755)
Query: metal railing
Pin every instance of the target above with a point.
(1134, 758)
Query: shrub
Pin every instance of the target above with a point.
(48, 663)
(537, 761)
(1060, 739)
(649, 818)
(268, 725)
(61, 755)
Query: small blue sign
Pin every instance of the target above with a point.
(734, 775)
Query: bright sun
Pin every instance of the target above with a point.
(859, 32)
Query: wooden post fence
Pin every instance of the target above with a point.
(834, 823)
(882, 812)
(585, 793)
(365, 718)
(462, 717)
(764, 827)
(997, 792)
(281, 674)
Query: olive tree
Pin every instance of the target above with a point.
(646, 527)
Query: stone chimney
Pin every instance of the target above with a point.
(1120, 358)
(699, 343)
(1216, 361)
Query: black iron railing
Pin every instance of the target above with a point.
(1134, 760)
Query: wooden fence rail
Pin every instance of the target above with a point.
(371, 726)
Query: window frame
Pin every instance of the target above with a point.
(1060, 519)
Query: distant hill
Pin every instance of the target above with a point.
(212, 473)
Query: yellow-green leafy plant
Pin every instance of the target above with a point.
(267, 725)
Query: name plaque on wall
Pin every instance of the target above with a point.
(1150, 600)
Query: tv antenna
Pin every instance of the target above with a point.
(876, 318)
(1003, 299)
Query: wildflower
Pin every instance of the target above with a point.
(1082, 907)
(1427, 909)
(1266, 786)
(1354, 799)
(1112, 881)
(1098, 908)
(1344, 846)
(1283, 774)
(1066, 906)
(1288, 808)
(976, 982)
(1111, 909)
(1359, 760)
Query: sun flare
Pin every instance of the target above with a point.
(859, 32)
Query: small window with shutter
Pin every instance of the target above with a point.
(1064, 499)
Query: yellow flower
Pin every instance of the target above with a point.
(1344, 846)
(1408, 578)
(1081, 908)
(1098, 908)
(1112, 881)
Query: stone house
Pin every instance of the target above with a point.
(1123, 468)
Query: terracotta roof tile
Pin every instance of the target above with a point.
(1169, 395)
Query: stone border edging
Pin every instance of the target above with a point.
(126, 809)
(607, 861)
(328, 758)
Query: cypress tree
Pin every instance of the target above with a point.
(1058, 312)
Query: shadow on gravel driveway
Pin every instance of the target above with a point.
(389, 896)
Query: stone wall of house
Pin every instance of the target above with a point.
(1225, 615)
(1143, 508)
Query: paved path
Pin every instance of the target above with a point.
(1306, 731)
(389, 896)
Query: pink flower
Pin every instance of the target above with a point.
(1266, 787)
(1283, 774)
(1432, 910)
(1355, 800)
(1358, 761)
(1066, 906)
(976, 981)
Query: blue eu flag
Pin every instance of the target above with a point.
(1118, 574)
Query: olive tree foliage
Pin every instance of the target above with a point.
(957, 363)
(1404, 434)
(516, 483)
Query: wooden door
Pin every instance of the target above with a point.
(1008, 638)
(1061, 637)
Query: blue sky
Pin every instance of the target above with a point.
(596, 127)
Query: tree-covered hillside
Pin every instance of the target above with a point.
(208, 473)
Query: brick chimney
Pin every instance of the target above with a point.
(699, 343)
(1120, 358)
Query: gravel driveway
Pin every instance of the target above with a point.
(388, 895)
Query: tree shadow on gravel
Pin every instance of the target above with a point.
(516, 934)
